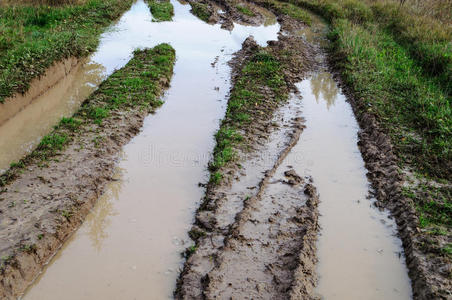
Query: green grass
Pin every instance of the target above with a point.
(245, 10)
(137, 85)
(287, 8)
(161, 10)
(201, 10)
(427, 39)
(32, 38)
(410, 104)
(261, 70)
(190, 251)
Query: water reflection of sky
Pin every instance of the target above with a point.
(186, 33)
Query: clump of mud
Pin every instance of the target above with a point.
(227, 13)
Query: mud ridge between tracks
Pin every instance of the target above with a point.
(255, 232)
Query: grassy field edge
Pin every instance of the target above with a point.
(32, 38)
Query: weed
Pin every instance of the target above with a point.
(162, 10)
(53, 142)
(201, 10)
(67, 214)
(245, 10)
(70, 123)
(97, 114)
(447, 250)
(19, 164)
(216, 177)
(29, 248)
(190, 251)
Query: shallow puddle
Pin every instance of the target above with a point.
(20, 134)
(130, 245)
(359, 255)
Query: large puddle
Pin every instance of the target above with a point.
(359, 255)
(130, 245)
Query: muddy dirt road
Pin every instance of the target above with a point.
(291, 216)
(131, 244)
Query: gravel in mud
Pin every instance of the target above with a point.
(255, 232)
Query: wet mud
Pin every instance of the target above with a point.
(33, 225)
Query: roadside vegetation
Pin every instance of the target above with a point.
(139, 84)
(400, 66)
(161, 10)
(33, 37)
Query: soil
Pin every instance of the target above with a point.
(225, 13)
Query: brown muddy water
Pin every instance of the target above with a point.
(359, 255)
(130, 245)
(20, 134)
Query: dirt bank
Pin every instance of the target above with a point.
(47, 195)
(255, 231)
(56, 73)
